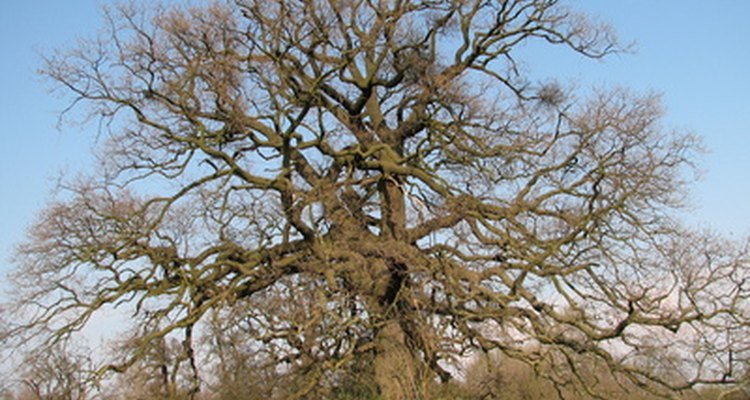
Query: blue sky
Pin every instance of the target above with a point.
(696, 53)
(32, 151)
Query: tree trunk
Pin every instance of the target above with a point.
(395, 365)
(395, 369)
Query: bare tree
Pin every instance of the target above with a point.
(164, 370)
(379, 179)
(57, 374)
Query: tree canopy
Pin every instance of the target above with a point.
(343, 180)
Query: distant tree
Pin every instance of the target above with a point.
(56, 374)
(238, 368)
(163, 370)
(377, 180)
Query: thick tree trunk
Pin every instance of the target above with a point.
(396, 372)
(395, 369)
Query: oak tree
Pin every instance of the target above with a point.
(347, 180)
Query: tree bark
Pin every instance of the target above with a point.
(395, 369)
